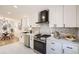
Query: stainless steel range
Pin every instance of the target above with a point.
(40, 42)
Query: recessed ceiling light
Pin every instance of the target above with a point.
(24, 16)
(15, 6)
(9, 12)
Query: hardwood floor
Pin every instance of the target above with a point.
(9, 41)
(16, 48)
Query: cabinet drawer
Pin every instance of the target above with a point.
(70, 46)
(50, 50)
(51, 41)
(54, 48)
(70, 49)
(52, 45)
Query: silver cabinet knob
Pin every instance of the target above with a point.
(69, 47)
(55, 25)
(52, 49)
(52, 43)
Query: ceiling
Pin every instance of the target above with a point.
(22, 10)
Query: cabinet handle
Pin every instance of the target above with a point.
(63, 25)
(69, 47)
(62, 50)
(55, 25)
(52, 43)
(52, 49)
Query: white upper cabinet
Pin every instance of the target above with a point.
(58, 20)
(59, 16)
(33, 19)
(77, 16)
(70, 16)
(51, 16)
(56, 16)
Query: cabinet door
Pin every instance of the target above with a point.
(58, 20)
(31, 41)
(70, 16)
(77, 16)
(34, 19)
(54, 47)
(56, 16)
(70, 49)
(51, 16)
(50, 50)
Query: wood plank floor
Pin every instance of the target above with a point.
(16, 48)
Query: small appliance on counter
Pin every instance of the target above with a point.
(56, 34)
(70, 37)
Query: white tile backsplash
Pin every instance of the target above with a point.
(66, 30)
(44, 29)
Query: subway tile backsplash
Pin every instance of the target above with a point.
(66, 30)
(45, 29)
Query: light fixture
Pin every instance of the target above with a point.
(9, 12)
(43, 17)
(15, 6)
(25, 16)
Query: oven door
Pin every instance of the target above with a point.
(40, 46)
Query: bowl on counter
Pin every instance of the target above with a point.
(70, 37)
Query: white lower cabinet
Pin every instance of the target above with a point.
(70, 49)
(54, 47)
(61, 47)
(31, 41)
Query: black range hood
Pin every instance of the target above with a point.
(43, 17)
(41, 22)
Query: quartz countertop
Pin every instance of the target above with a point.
(64, 40)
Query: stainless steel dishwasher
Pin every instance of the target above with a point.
(27, 40)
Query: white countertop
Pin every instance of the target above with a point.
(64, 40)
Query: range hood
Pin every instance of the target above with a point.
(41, 22)
(43, 17)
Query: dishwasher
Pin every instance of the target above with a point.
(27, 40)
